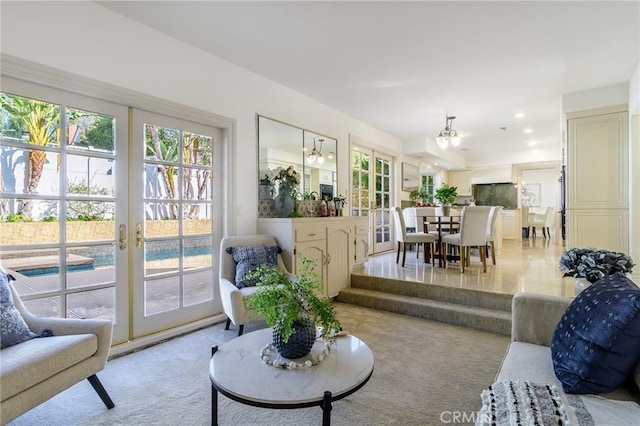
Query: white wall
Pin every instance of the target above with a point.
(549, 185)
(88, 40)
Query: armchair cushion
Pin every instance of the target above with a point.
(597, 342)
(249, 258)
(13, 328)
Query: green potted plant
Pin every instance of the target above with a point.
(446, 195)
(291, 306)
(421, 195)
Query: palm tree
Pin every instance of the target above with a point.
(41, 120)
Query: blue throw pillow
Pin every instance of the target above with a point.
(13, 329)
(249, 258)
(597, 342)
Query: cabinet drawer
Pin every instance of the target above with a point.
(308, 234)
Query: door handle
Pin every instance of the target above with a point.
(139, 235)
(123, 237)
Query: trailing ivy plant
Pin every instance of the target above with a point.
(283, 299)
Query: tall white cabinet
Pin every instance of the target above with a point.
(337, 244)
(598, 179)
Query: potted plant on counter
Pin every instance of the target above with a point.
(290, 306)
(446, 195)
(421, 196)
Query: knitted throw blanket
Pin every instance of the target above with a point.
(527, 404)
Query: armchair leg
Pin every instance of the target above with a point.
(240, 329)
(227, 324)
(97, 386)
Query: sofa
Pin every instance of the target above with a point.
(528, 362)
(50, 356)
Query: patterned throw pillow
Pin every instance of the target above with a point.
(249, 258)
(13, 329)
(597, 342)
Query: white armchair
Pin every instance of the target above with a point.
(37, 369)
(233, 298)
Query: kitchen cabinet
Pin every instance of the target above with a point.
(336, 244)
(462, 180)
(598, 179)
(508, 227)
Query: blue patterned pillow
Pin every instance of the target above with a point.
(249, 258)
(13, 329)
(597, 342)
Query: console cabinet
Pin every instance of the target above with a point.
(337, 244)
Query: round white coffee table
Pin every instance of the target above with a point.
(237, 372)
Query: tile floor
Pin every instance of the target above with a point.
(530, 265)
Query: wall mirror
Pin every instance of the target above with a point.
(410, 177)
(311, 154)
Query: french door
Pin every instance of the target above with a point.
(173, 220)
(107, 211)
(371, 194)
(64, 204)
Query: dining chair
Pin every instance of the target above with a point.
(525, 221)
(404, 239)
(473, 233)
(540, 220)
(550, 221)
(491, 231)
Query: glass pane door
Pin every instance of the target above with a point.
(382, 210)
(61, 207)
(174, 221)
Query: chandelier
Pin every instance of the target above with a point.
(447, 135)
(315, 154)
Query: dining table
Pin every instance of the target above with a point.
(444, 224)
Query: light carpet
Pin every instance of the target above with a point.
(426, 373)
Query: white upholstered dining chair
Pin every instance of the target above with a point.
(473, 233)
(491, 230)
(404, 238)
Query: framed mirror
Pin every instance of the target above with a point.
(410, 177)
(311, 154)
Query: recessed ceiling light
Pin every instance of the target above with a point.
(519, 115)
(532, 143)
(527, 130)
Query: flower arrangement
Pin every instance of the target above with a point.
(289, 179)
(593, 264)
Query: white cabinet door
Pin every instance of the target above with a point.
(340, 254)
(461, 180)
(508, 225)
(361, 244)
(316, 251)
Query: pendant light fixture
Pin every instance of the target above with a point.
(447, 134)
(316, 155)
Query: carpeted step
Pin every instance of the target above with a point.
(492, 320)
(461, 296)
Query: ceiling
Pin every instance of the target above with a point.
(402, 66)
